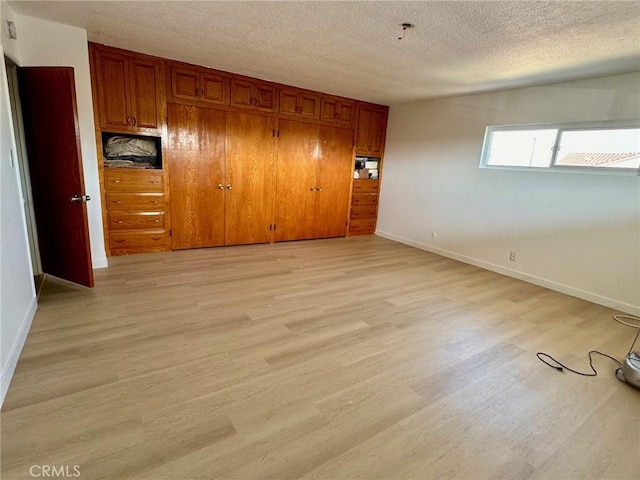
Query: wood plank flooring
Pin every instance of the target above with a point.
(354, 358)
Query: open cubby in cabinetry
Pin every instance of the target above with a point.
(135, 200)
(131, 151)
(364, 195)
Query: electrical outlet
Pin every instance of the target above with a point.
(512, 256)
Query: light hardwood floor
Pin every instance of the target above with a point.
(350, 358)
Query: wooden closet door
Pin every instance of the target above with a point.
(196, 161)
(296, 176)
(334, 172)
(250, 173)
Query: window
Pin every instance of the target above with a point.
(604, 147)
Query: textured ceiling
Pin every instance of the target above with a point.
(351, 48)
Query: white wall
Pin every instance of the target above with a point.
(43, 43)
(9, 45)
(576, 233)
(17, 293)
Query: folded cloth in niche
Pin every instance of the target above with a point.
(118, 147)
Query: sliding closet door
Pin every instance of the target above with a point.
(250, 178)
(334, 172)
(296, 180)
(196, 167)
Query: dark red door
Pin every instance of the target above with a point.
(52, 136)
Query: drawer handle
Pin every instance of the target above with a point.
(153, 181)
(117, 201)
(155, 202)
(156, 238)
(119, 221)
(115, 181)
(119, 241)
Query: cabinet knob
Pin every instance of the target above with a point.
(221, 186)
(229, 187)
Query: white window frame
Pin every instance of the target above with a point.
(560, 127)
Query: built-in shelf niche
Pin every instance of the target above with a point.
(121, 150)
(366, 168)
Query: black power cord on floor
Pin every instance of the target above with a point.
(561, 367)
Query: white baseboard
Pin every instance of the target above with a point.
(16, 349)
(100, 262)
(542, 282)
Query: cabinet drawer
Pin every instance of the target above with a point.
(145, 241)
(123, 202)
(136, 220)
(363, 212)
(366, 186)
(362, 227)
(364, 199)
(122, 179)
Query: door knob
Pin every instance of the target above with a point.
(220, 186)
(229, 187)
(80, 198)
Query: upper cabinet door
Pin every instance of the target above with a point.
(184, 82)
(197, 85)
(288, 102)
(377, 130)
(130, 91)
(372, 126)
(241, 93)
(112, 81)
(145, 92)
(265, 96)
(338, 110)
(299, 103)
(214, 87)
(254, 95)
(346, 112)
(364, 124)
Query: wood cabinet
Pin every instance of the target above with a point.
(253, 94)
(299, 103)
(372, 127)
(314, 167)
(364, 207)
(196, 84)
(222, 177)
(338, 110)
(196, 158)
(136, 212)
(248, 161)
(130, 91)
